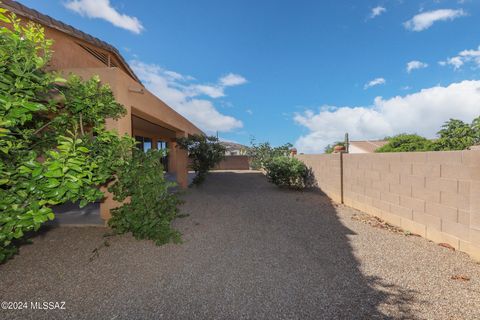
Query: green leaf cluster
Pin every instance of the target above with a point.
(204, 153)
(289, 172)
(406, 143)
(149, 206)
(261, 153)
(454, 135)
(331, 147)
(53, 144)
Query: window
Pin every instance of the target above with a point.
(143, 143)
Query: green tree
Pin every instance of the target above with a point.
(204, 153)
(456, 135)
(331, 147)
(406, 143)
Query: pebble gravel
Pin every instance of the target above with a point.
(250, 251)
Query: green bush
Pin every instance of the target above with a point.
(406, 143)
(46, 158)
(289, 172)
(54, 147)
(260, 154)
(204, 152)
(149, 206)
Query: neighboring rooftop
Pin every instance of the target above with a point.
(367, 146)
(35, 16)
(233, 148)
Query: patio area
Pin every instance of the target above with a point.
(250, 251)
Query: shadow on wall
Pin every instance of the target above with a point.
(299, 251)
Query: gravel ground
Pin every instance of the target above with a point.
(250, 251)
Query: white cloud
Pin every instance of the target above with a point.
(377, 11)
(422, 112)
(425, 20)
(249, 111)
(374, 82)
(102, 9)
(415, 64)
(185, 97)
(232, 79)
(464, 57)
(208, 90)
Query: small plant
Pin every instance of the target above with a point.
(149, 206)
(289, 172)
(204, 153)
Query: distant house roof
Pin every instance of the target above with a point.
(368, 146)
(233, 146)
(48, 21)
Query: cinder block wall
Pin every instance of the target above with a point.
(433, 194)
(326, 168)
(234, 163)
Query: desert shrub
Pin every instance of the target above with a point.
(260, 154)
(406, 143)
(289, 172)
(204, 152)
(149, 206)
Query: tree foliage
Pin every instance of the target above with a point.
(457, 135)
(289, 172)
(406, 143)
(454, 135)
(331, 147)
(46, 156)
(152, 206)
(54, 147)
(260, 154)
(204, 153)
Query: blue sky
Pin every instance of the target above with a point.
(297, 71)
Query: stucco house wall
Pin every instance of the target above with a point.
(75, 52)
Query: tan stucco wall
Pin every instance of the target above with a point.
(234, 163)
(433, 194)
(327, 172)
(140, 102)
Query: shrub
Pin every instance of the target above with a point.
(40, 165)
(261, 154)
(204, 152)
(289, 172)
(406, 143)
(151, 207)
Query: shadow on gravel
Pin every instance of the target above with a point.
(250, 251)
(308, 253)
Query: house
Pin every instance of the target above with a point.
(234, 149)
(367, 146)
(152, 122)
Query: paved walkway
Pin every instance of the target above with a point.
(250, 251)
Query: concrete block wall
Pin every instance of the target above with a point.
(234, 163)
(326, 168)
(433, 194)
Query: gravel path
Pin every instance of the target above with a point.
(250, 251)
